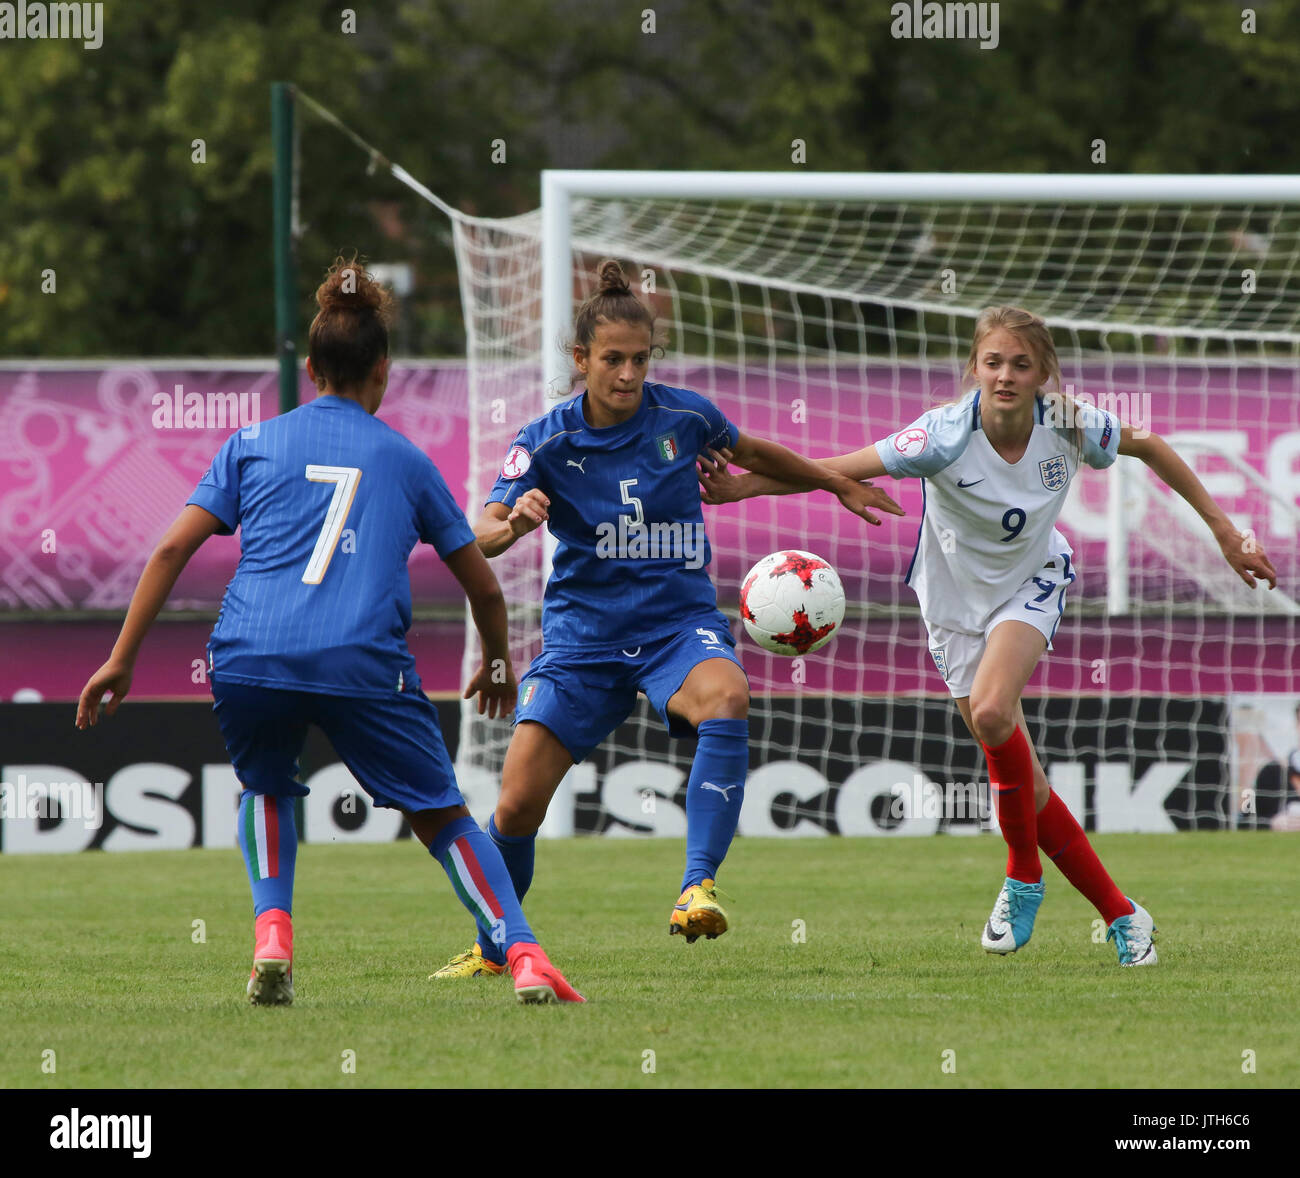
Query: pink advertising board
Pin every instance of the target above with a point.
(94, 466)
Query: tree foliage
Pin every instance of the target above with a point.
(156, 254)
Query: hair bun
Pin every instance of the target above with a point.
(350, 286)
(612, 279)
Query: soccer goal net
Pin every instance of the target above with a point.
(824, 312)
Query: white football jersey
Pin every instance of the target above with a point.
(987, 525)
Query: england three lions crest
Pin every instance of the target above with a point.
(1055, 472)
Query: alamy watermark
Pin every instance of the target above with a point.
(956, 801)
(947, 22)
(193, 410)
(125, 1131)
(1090, 410)
(65, 22)
(76, 801)
(630, 540)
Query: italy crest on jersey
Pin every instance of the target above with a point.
(667, 446)
(1055, 472)
(526, 696)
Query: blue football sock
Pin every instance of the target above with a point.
(478, 873)
(519, 854)
(714, 795)
(268, 836)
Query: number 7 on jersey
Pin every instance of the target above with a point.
(345, 480)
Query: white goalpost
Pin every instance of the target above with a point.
(825, 310)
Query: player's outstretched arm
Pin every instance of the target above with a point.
(760, 456)
(1241, 551)
(494, 682)
(500, 526)
(183, 538)
(775, 470)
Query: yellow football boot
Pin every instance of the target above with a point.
(471, 964)
(698, 914)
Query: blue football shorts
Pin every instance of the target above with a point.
(393, 746)
(583, 695)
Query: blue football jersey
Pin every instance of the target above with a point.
(330, 502)
(631, 558)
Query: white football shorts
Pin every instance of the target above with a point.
(1039, 602)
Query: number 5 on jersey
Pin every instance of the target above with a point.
(625, 486)
(345, 480)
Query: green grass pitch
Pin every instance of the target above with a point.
(102, 965)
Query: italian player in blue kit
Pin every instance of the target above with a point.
(313, 632)
(996, 466)
(629, 606)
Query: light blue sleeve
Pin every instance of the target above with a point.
(932, 442)
(1101, 431)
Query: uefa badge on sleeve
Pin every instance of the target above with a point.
(911, 443)
(517, 463)
(1055, 473)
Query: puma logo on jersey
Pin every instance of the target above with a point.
(577, 464)
(724, 790)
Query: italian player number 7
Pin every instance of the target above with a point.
(309, 635)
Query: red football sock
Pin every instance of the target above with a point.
(1011, 778)
(1064, 842)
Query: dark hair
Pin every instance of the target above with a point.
(612, 302)
(350, 332)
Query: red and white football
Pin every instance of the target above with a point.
(792, 602)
